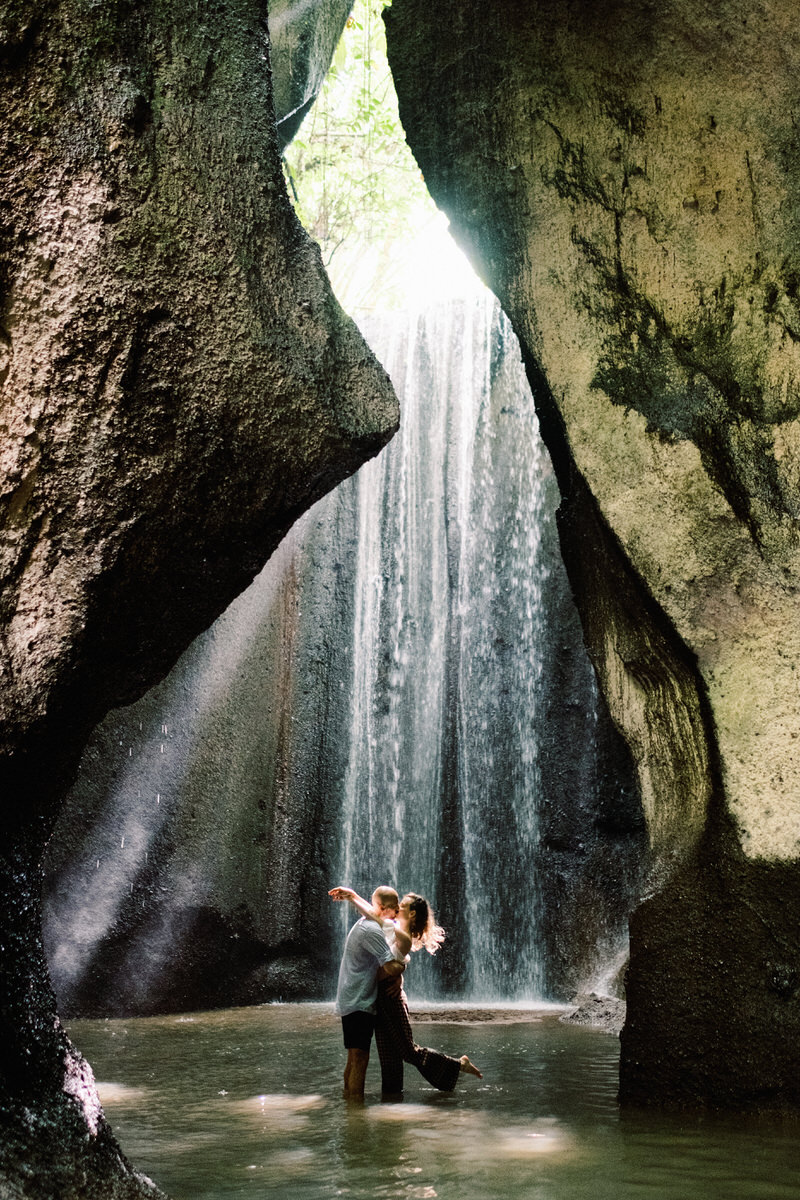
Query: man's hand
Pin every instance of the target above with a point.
(393, 972)
(341, 893)
(395, 985)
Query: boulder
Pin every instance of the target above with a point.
(597, 1012)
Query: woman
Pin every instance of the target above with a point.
(414, 927)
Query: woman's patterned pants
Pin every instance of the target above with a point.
(396, 1045)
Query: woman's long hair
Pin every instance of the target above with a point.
(422, 925)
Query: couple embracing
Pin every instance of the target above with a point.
(370, 996)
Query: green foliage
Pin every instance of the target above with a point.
(354, 181)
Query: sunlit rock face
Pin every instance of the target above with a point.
(625, 176)
(178, 385)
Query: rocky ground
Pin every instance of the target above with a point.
(599, 1012)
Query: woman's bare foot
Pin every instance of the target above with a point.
(469, 1067)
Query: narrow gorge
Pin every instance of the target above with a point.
(180, 386)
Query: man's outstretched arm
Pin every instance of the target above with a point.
(363, 906)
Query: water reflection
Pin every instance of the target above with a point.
(247, 1103)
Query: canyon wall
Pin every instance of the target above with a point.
(624, 175)
(178, 385)
(303, 38)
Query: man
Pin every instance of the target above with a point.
(366, 960)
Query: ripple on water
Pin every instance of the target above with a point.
(294, 1161)
(476, 1138)
(278, 1102)
(120, 1093)
(279, 1112)
(526, 1142)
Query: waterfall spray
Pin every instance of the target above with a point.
(442, 782)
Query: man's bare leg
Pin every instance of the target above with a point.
(355, 1073)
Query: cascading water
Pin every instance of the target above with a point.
(442, 781)
(402, 696)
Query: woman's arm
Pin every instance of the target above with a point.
(358, 902)
(402, 941)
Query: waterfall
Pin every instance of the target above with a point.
(442, 781)
(401, 697)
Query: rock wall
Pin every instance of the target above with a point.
(191, 862)
(178, 385)
(303, 39)
(625, 177)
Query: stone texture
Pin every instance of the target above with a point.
(625, 175)
(178, 385)
(191, 862)
(303, 39)
(597, 1012)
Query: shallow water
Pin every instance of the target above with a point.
(247, 1103)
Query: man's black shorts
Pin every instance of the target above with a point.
(358, 1028)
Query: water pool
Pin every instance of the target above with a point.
(247, 1103)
